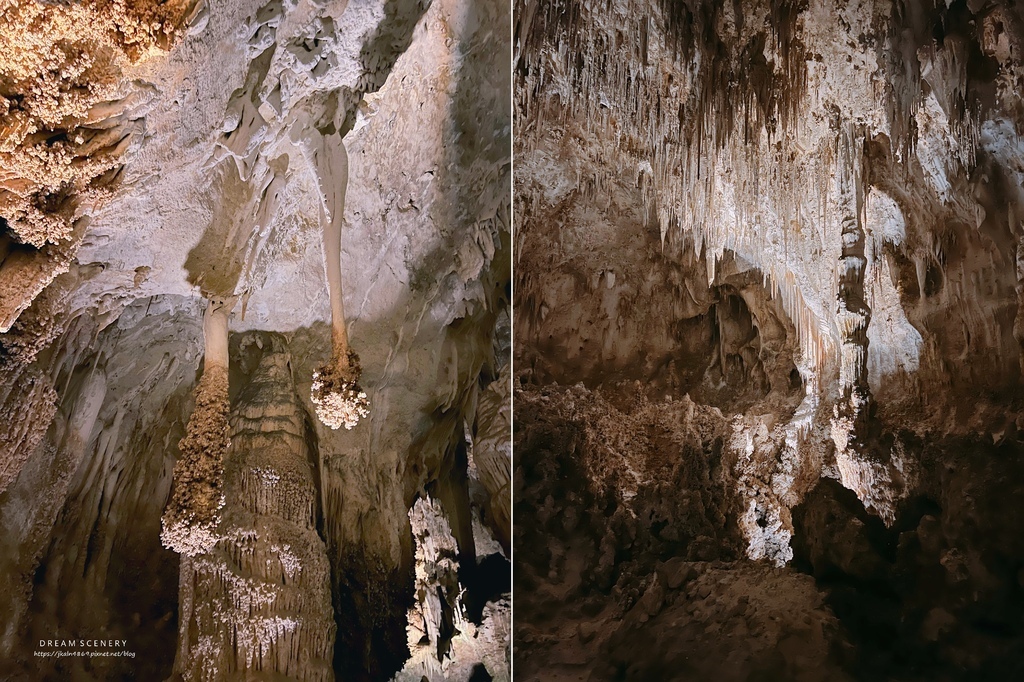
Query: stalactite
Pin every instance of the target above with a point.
(339, 399)
(751, 168)
(853, 314)
(879, 208)
(190, 523)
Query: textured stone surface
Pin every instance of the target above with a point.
(492, 456)
(259, 600)
(216, 196)
(807, 216)
(69, 111)
(445, 643)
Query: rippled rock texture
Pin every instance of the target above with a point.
(156, 156)
(767, 324)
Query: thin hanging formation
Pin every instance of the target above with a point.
(752, 168)
(339, 399)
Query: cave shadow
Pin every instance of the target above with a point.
(940, 593)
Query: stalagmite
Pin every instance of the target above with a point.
(863, 162)
(444, 643)
(259, 601)
(136, 182)
(193, 513)
(339, 399)
(438, 611)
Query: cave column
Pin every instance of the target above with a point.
(189, 524)
(877, 475)
(852, 312)
(853, 315)
(257, 605)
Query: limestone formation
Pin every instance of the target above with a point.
(155, 156)
(258, 600)
(69, 116)
(339, 399)
(444, 643)
(767, 292)
(190, 524)
(492, 454)
(438, 613)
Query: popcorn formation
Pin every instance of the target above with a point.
(339, 399)
(190, 521)
(188, 536)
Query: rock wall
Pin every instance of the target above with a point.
(82, 546)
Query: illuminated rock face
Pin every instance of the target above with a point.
(446, 644)
(70, 113)
(259, 600)
(802, 221)
(192, 181)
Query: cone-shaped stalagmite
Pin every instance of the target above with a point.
(257, 606)
(339, 399)
(197, 496)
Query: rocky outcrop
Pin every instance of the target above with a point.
(723, 621)
(629, 549)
